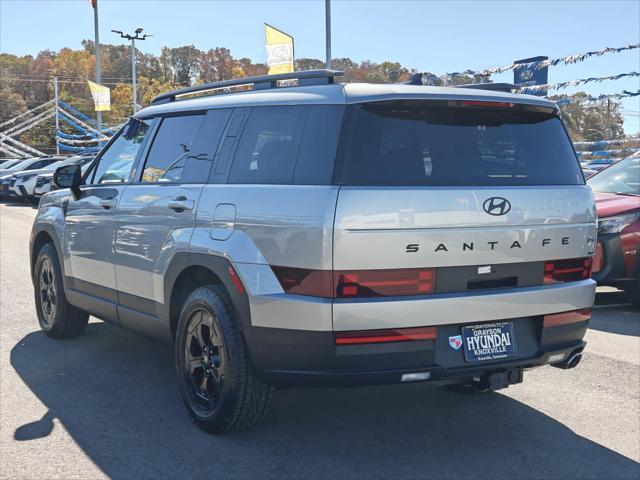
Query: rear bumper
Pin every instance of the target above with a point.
(472, 307)
(296, 358)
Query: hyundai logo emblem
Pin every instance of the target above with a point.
(496, 206)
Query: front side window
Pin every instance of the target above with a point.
(268, 147)
(173, 154)
(116, 162)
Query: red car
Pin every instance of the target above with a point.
(617, 193)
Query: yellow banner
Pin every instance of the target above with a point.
(101, 96)
(279, 50)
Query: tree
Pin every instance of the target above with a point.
(184, 62)
(26, 82)
(589, 120)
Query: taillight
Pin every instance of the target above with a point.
(598, 259)
(385, 336)
(574, 316)
(357, 283)
(571, 270)
(303, 281)
(384, 283)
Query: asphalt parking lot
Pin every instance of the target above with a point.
(106, 405)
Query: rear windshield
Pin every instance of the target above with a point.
(432, 144)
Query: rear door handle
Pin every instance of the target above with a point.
(108, 203)
(180, 204)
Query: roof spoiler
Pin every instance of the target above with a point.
(261, 82)
(416, 79)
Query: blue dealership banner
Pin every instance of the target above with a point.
(527, 73)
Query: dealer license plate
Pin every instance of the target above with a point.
(492, 341)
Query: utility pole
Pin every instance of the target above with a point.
(133, 39)
(55, 96)
(327, 19)
(97, 48)
(609, 128)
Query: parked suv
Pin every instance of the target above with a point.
(617, 195)
(326, 234)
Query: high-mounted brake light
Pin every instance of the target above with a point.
(573, 316)
(571, 270)
(480, 103)
(357, 283)
(384, 336)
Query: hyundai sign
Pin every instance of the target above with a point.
(529, 75)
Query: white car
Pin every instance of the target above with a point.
(42, 183)
(25, 183)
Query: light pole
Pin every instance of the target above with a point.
(133, 39)
(94, 3)
(327, 26)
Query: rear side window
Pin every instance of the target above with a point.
(269, 145)
(424, 143)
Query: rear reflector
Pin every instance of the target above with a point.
(385, 336)
(564, 318)
(571, 270)
(359, 283)
(236, 280)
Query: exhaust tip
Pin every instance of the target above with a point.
(571, 362)
(574, 360)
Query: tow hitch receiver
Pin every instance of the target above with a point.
(498, 380)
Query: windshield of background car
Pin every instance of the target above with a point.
(621, 177)
(8, 164)
(435, 144)
(20, 165)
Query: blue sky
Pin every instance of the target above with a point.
(436, 36)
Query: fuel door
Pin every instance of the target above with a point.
(224, 221)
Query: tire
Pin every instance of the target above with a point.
(215, 375)
(57, 318)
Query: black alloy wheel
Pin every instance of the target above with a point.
(216, 377)
(47, 290)
(204, 361)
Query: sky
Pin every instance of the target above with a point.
(435, 36)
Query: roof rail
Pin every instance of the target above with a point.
(261, 82)
(494, 87)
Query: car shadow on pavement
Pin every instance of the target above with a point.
(115, 393)
(620, 320)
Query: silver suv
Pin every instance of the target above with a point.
(290, 230)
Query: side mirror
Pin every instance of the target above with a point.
(69, 176)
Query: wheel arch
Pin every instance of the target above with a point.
(42, 235)
(190, 271)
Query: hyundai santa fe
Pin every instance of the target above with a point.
(312, 233)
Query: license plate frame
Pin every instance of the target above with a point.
(489, 342)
